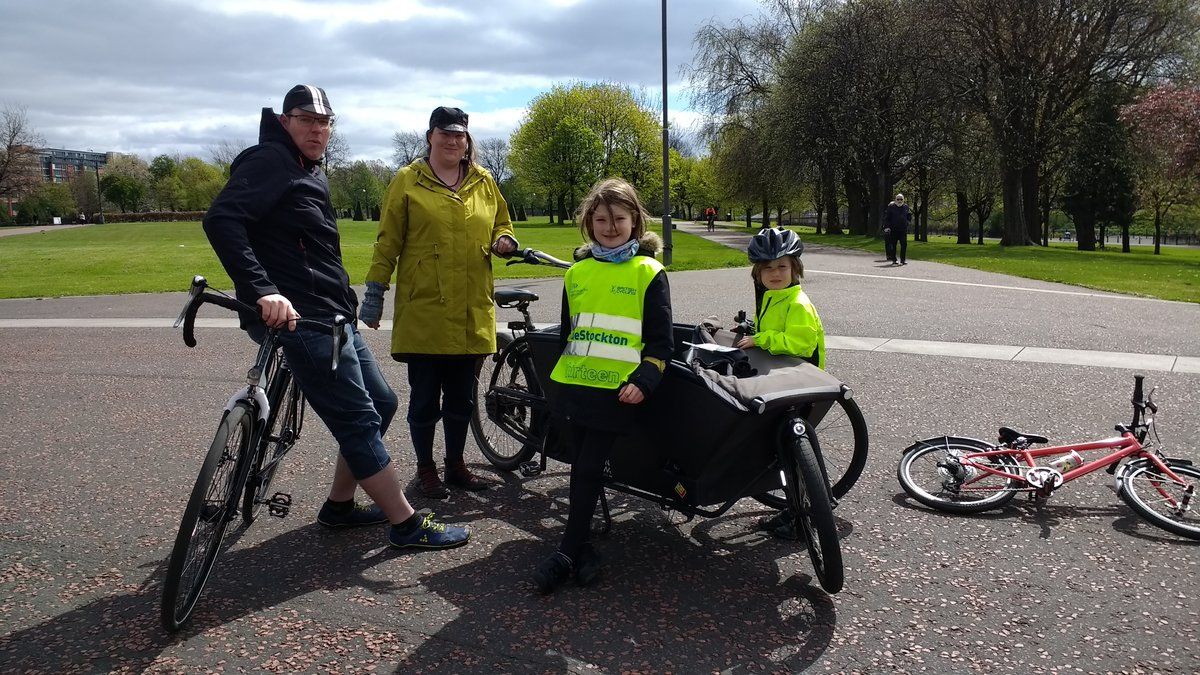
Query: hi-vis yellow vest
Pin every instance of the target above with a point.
(605, 302)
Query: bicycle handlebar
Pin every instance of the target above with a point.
(198, 296)
(530, 256)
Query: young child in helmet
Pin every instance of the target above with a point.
(616, 338)
(786, 322)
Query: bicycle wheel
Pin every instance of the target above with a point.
(841, 441)
(931, 474)
(1165, 502)
(497, 409)
(284, 423)
(808, 498)
(212, 506)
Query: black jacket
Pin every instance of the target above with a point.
(274, 229)
(897, 216)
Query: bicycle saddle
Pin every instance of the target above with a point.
(509, 296)
(1009, 435)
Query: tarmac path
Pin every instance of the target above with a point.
(106, 414)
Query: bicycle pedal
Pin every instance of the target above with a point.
(279, 504)
(530, 469)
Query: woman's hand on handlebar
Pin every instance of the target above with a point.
(631, 394)
(277, 311)
(746, 342)
(504, 246)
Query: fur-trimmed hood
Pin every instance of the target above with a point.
(648, 244)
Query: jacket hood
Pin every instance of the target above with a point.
(271, 131)
(648, 244)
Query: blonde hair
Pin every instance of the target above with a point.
(797, 270)
(608, 193)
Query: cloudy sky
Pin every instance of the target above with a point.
(177, 76)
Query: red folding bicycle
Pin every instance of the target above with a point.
(966, 475)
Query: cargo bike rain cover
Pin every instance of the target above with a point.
(703, 438)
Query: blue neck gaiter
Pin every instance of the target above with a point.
(615, 255)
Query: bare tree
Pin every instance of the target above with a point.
(407, 146)
(224, 151)
(20, 171)
(337, 153)
(493, 155)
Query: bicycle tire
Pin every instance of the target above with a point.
(994, 493)
(843, 443)
(283, 428)
(511, 370)
(809, 499)
(211, 507)
(1152, 503)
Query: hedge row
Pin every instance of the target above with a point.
(154, 217)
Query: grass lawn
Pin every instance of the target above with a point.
(157, 257)
(1173, 275)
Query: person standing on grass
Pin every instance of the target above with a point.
(443, 218)
(896, 218)
(273, 228)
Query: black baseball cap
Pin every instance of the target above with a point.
(309, 99)
(448, 119)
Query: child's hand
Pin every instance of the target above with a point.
(746, 342)
(631, 394)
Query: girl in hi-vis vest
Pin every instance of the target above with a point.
(616, 341)
(787, 323)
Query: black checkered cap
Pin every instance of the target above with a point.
(308, 98)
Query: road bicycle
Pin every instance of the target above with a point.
(966, 475)
(695, 448)
(260, 424)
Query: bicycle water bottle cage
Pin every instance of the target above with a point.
(1013, 438)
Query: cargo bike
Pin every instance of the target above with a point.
(791, 437)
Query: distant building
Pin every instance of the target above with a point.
(59, 166)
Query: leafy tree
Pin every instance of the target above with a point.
(125, 182)
(357, 187)
(1165, 131)
(1027, 68)
(166, 188)
(84, 190)
(45, 202)
(201, 182)
(1099, 184)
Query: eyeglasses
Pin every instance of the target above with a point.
(310, 121)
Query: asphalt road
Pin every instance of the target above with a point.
(103, 429)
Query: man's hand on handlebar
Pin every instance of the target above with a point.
(277, 311)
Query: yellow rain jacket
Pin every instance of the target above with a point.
(438, 245)
(788, 324)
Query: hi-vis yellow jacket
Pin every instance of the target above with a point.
(788, 324)
(438, 244)
(604, 338)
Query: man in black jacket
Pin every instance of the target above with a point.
(274, 230)
(895, 229)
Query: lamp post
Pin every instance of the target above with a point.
(99, 195)
(667, 227)
(366, 204)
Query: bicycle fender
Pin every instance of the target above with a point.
(938, 441)
(260, 397)
(1138, 463)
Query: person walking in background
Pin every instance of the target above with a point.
(443, 218)
(273, 229)
(711, 215)
(896, 218)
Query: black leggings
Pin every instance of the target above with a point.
(587, 480)
(440, 388)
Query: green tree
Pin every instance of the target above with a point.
(45, 202)
(125, 181)
(166, 188)
(1099, 179)
(358, 188)
(200, 183)
(84, 190)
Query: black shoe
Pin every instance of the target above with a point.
(903, 262)
(587, 565)
(552, 572)
(354, 516)
(769, 523)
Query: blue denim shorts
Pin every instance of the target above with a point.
(357, 405)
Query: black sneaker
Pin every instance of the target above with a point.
(587, 565)
(429, 534)
(552, 572)
(356, 516)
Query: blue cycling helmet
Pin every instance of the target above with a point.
(771, 244)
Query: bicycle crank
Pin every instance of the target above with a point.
(279, 504)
